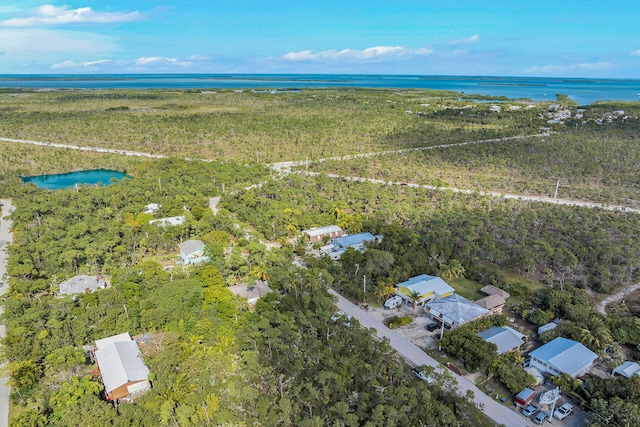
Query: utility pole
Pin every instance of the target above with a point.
(160, 184)
(441, 334)
(364, 288)
(555, 196)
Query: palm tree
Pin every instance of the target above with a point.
(385, 292)
(595, 334)
(453, 270)
(415, 297)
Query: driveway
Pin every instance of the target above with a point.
(5, 239)
(499, 413)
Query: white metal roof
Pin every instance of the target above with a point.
(456, 309)
(566, 355)
(120, 363)
(110, 340)
(79, 284)
(505, 338)
(319, 231)
(628, 369)
(191, 246)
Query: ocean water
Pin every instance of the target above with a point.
(583, 91)
(66, 180)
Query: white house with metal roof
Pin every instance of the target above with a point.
(504, 337)
(123, 372)
(358, 242)
(429, 288)
(563, 355)
(169, 221)
(455, 310)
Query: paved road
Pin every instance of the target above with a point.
(499, 413)
(600, 308)
(5, 239)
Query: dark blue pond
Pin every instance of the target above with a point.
(71, 179)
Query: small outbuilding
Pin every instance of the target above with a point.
(494, 303)
(563, 355)
(82, 284)
(169, 221)
(627, 369)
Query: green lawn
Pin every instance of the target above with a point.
(467, 288)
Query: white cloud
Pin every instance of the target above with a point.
(48, 15)
(472, 39)
(82, 65)
(160, 60)
(635, 53)
(377, 53)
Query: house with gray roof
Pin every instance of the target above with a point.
(563, 355)
(252, 293)
(169, 221)
(455, 310)
(504, 337)
(120, 364)
(428, 287)
(81, 284)
(192, 252)
(359, 242)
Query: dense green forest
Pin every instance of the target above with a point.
(215, 362)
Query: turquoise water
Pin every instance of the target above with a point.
(583, 91)
(71, 179)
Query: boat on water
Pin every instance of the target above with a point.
(548, 397)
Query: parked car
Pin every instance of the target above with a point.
(530, 410)
(419, 371)
(432, 326)
(540, 418)
(564, 411)
(393, 302)
(346, 319)
(337, 315)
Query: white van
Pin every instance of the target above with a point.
(393, 302)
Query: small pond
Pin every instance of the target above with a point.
(71, 179)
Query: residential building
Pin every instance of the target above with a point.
(504, 337)
(151, 208)
(494, 303)
(627, 369)
(429, 288)
(252, 293)
(317, 234)
(81, 284)
(547, 327)
(563, 355)
(358, 242)
(455, 310)
(192, 252)
(120, 364)
(492, 290)
(169, 221)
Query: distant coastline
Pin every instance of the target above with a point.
(583, 91)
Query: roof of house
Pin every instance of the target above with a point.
(492, 290)
(191, 246)
(151, 208)
(456, 309)
(566, 355)
(491, 301)
(172, 220)
(425, 285)
(319, 231)
(259, 289)
(114, 338)
(79, 284)
(628, 369)
(547, 327)
(504, 337)
(119, 361)
(354, 239)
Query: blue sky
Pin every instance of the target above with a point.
(511, 38)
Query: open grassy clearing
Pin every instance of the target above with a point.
(599, 167)
(266, 127)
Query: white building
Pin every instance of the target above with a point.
(563, 355)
